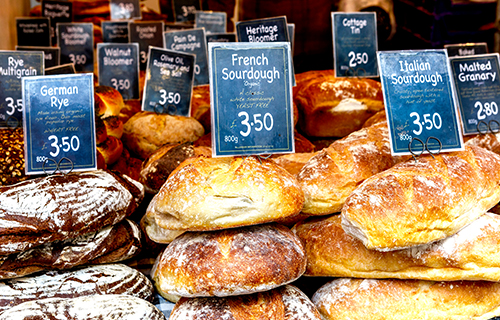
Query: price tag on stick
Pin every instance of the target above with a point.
(59, 128)
(33, 32)
(355, 44)
(115, 31)
(251, 98)
(125, 9)
(466, 49)
(76, 41)
(146, 34)
(169, 82)
(184, 10)
(419, 101)
(51, 54)
(57, 11)
(213, 22)
(478, 90)
(14, 65)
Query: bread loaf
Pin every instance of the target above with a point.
(417, 202)
(107, 306)
(294, 162)
(86, 281)
(229, 262)
(284, 303)
(470, 254)
(110, 244)
(157, 233)
(329, 177)
(335, 107)
(216, 193)
(59, 207)
(361, 299)
(489, 141)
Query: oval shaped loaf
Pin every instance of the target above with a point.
(60, 207)
(284, 303)
(98, 279)
(107, 306)
(229, 262)
(417, 202)
(215, 193)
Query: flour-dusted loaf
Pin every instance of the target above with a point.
(115, 243)
(489, 141)
(229, 262)
(284, 303)
(329, 177)
(470, 254)
(294, 162)
(362, 299)
(60, 207)
(216, 193)
(107, 306)
(417, 202)
(335, 107)
(85, 281)
(157, 233)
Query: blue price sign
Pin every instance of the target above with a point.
(478, 91)
(76, 41)
(59, 129)
(57, 11)
(169, 82)
(51, 54)
(191, 41)
(263, 30)
(125, 9)
(184, 10)
(418, 97)
(118, 66)
(14, 65)
(146, 33)
(466, 49)
(213, 22)
(251, 98)
(114, 31)
(33, 32)
(355, 44)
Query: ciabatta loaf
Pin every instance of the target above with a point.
(86, 281)
(61, 207)
(284, 303)
(361, 299)
(107, 306)
(215, 193)
(470, 254)
(229, 262)
(330, 176)
(417, 202)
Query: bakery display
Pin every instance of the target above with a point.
(215, 193)
(417, 202)
(357, 299)
(11, 156)
(284, 303)
(229, 262)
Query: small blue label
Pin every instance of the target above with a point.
(191, 41)
(169, 82)
(125, 9)
(213, 22)
(221, 37)
(33, 32)
(419, 101)
(51, 54)
(251, 98)
(478, 91)
(184, 10)
(355, 44)
(263, 30)
(59, 129)
(14, 65)
(146, 34)
(115, 31)
(466, 49)
(118, 66)
(76, 41)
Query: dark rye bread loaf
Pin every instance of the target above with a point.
(283, 303)
(111, 244)
(86, 281)
(107, 306)
(61, 207)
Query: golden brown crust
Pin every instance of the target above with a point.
(489, 141)
(229, 262)
(200, 106)
(11, 156)
(376, 118)
(294, 162)
(417, 202)
(111, 149)
(359, 299)
(329, 177)
(109, 101)
(216, 193)
(470, 254)
(335, 107)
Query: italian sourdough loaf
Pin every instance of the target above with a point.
(229, 262)
(283, 303)
(391, 299)
(470, 254)
(216, 193)
(417, 202)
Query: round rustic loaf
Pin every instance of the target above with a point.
(216, 193)
(284, 303)
(229, 262)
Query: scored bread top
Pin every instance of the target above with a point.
(217, 193)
